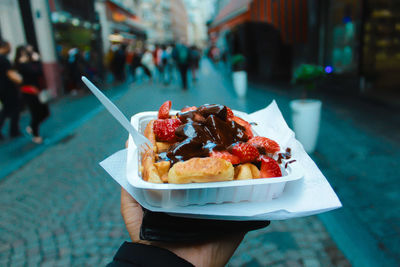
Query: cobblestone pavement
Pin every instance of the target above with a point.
(61, 208)
(16, 152)
(358, 151)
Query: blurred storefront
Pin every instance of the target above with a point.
(75, 25)
(65, 30)
(361, 46)
(357, 41)
(116, 20)
(76, 35)
(341, 35)
(53, 27)
(381, 48)
(265, 31)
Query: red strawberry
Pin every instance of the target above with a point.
(165, 129)
(245, 152)
(229, 114)
(226, 156)
(188, 108)
(269, 168)
(269, 145)
(245, 124)
(163, 112)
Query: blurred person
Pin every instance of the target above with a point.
(214, 53)
(93, 65)
(181, 57)
(9, 93)
(129, 53)
(75, 69)
(118, 63)
(108, 58)
(136, 63)
(158, 61)
(194, 61)
(167, 62)
(31, 51)
(148, 63)
(29, 66)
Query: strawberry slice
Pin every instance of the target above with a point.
(229, 114)
(163, 112)
(245, 124)
(188, 109)
(245, 152)
(269, 145)
(269, 168)
(226, 156)
(164, 129)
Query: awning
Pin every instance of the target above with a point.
(232, 11)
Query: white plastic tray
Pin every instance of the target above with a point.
(170, 195)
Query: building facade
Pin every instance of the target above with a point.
(360, 42)
(121, 18)
(55, 27)
(179, 21)
(166, 21)
(11, 25)
(270, 34)
(198, 13)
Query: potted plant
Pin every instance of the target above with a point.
(239, 74)
(306, 112)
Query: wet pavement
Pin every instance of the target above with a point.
(62, 209)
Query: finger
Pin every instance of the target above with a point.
(126, 143)
(128, 200)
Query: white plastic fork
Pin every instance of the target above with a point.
(140, 140)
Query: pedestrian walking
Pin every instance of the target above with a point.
(30, 67)
(9, 93)
(159, 62)
(181, 57)
(136, 63)
(167, 62)
(118, 63)
(194, 61)
(148, 64)
(75, 69)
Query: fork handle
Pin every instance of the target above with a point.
(117, 114)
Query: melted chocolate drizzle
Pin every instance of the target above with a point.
(202, 131)
(286, 155)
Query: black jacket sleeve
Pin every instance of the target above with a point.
(139, 255)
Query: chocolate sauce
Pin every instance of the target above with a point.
(218, 110)
(286, 155)
(287, 163)
(204, 130)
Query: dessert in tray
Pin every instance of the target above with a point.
(207, 144)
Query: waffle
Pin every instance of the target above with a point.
(206, 144)
(194, 170)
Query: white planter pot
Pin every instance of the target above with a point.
(306, 117)
(240, 82)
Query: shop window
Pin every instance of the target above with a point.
(342, 36)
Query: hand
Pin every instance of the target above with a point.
(210, 253)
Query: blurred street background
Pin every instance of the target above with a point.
(58, 207)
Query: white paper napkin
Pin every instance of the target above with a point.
(308, 196)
